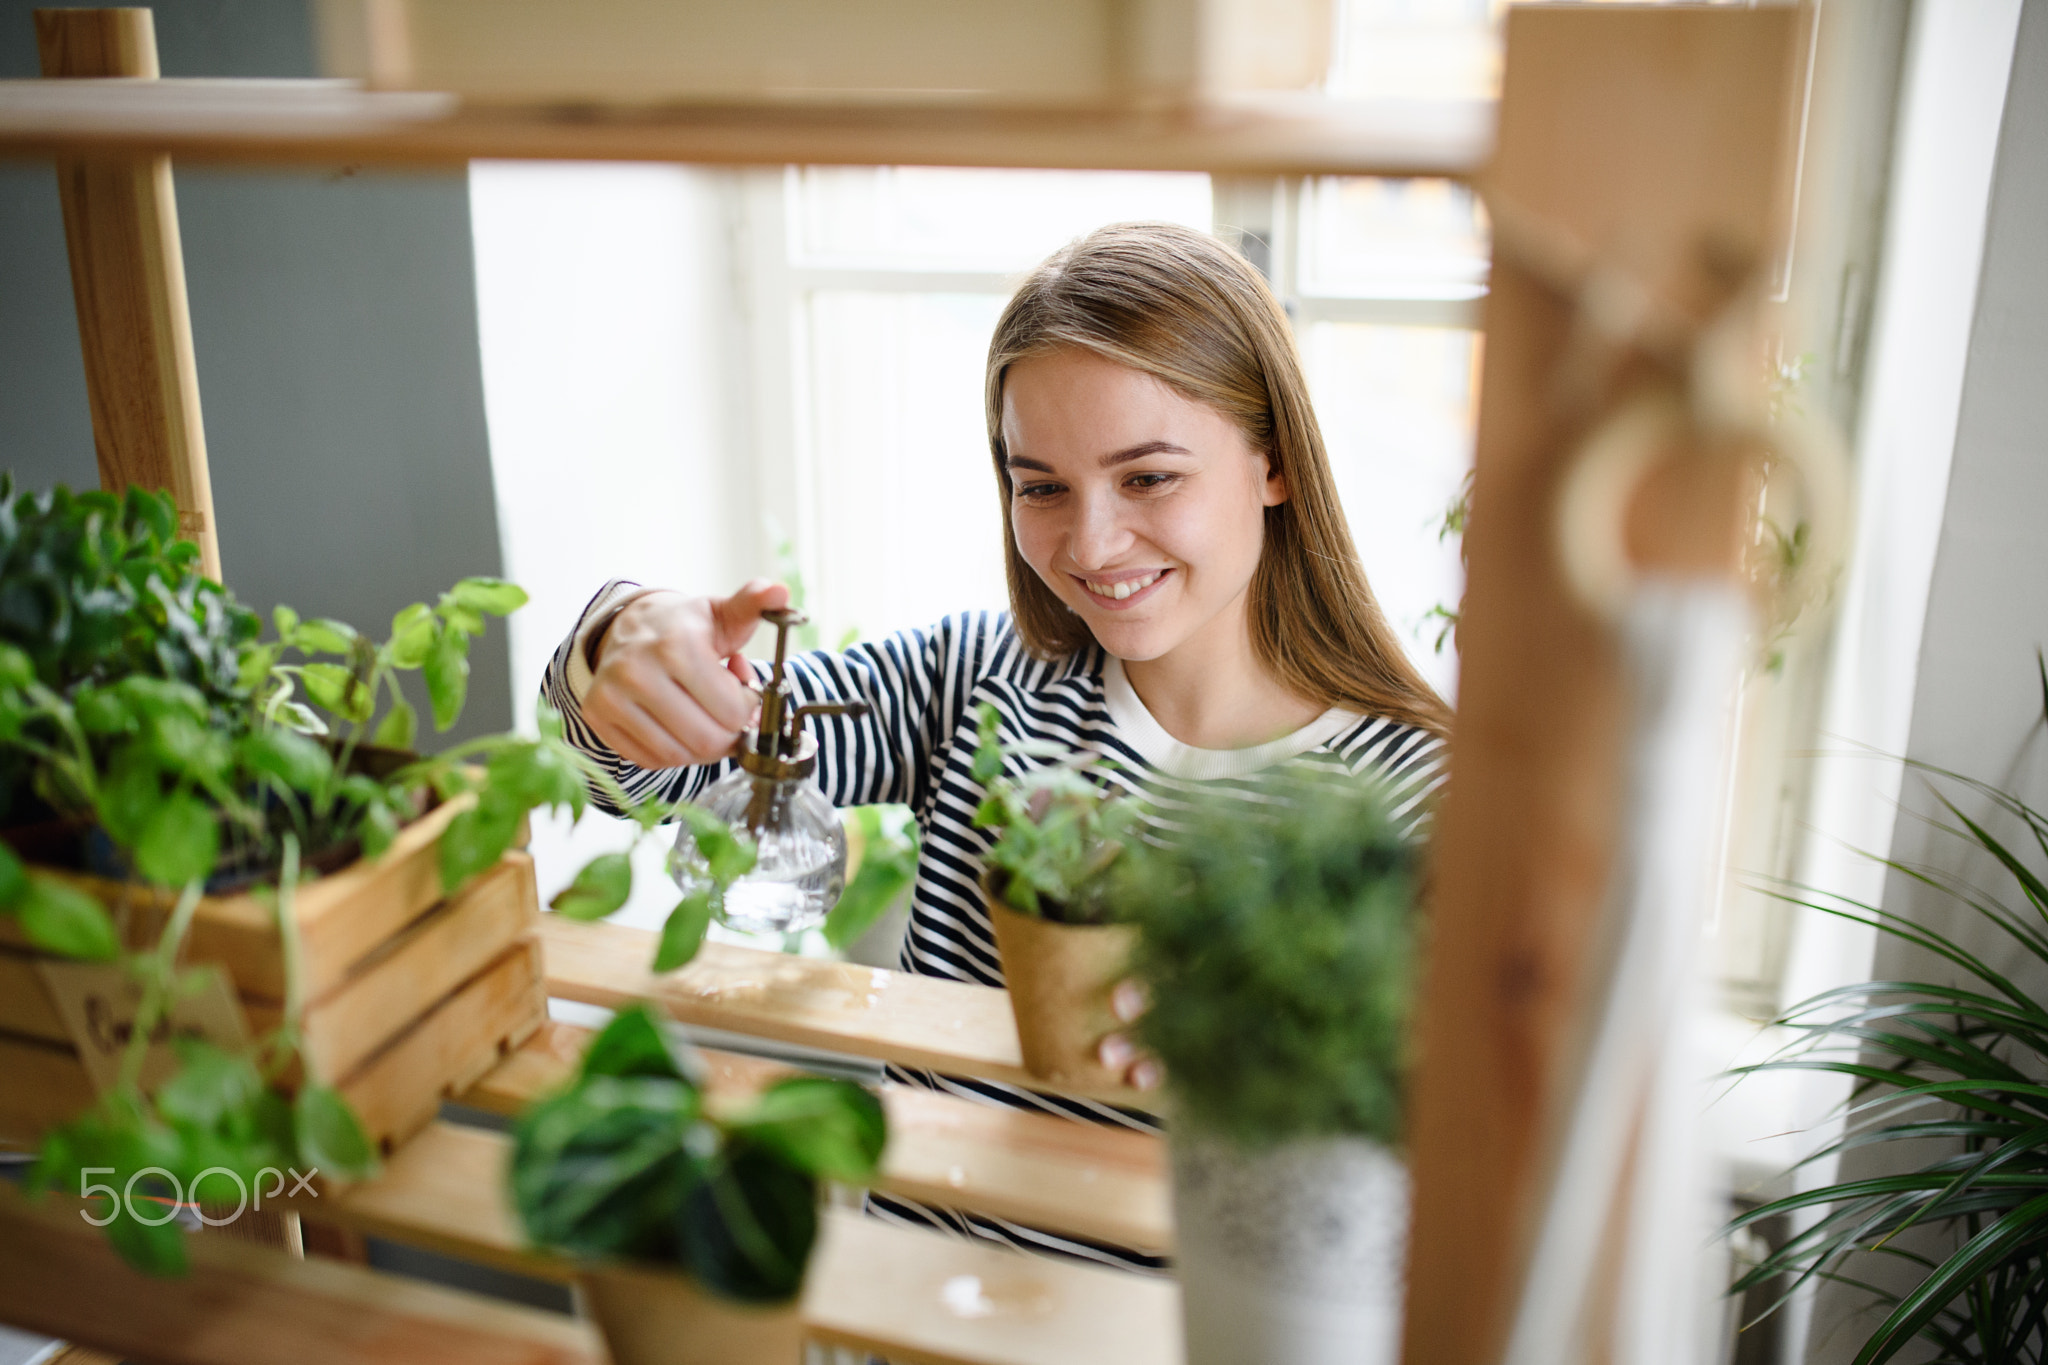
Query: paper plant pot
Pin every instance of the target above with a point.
(657, 1317)
(1292, 1255)
(1059, 977)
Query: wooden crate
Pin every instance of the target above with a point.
(409, 996)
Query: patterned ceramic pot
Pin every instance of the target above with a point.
(1294, 1255)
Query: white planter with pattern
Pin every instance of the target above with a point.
(1293, 1255)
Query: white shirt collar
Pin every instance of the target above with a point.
(1138, 729)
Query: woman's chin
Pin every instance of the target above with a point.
(1134, 641)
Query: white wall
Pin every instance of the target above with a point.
(605, 305)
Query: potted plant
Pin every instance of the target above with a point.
(176, 783)
(1280, 954)
(693, 1219)
(1947, 1083)
(1059, 832)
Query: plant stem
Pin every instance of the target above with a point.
(157, 986)
(288, 935)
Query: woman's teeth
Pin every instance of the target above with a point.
(1120, 591)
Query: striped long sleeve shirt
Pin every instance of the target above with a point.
(924, 690)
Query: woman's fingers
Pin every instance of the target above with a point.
(1127, 1000)
(669, 687)
(734, 618)
(632, 734)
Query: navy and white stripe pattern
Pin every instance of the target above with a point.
(916, 746)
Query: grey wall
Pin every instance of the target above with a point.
(334, 319)
(1978, 701)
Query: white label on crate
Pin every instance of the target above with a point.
(98, 1001)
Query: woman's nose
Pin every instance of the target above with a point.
(1097, 535)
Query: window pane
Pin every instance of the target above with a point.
(1417, 49)
(907, 523)
(937, 218)
(1401, 239)
(1396, 409)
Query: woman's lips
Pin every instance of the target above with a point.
(1103, 595)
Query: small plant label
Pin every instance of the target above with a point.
(97, 1002)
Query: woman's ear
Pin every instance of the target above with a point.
(1273, 491)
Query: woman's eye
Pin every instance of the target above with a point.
(1038, 492)
(1149, 482)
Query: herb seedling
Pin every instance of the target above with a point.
(1059, 830)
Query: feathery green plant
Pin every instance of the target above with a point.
(1964, 1067)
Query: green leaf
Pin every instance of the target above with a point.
(746, 1230)
(291, 758)
(493, 595)
(180, 841)
(335, 688)
(602, 1167)
(447, 674)
(62, 919)
(13, 878)
(325, 637)
(412, 635)
(476, 839)
(285, 619)
(600, 888)
(208, 1084)
(15, 668)
(399, 728)
(888, 864)
(683, 933)
(829, 1128)
(329, 1135)
(301, 719)
(632, 1044)
(154, 1250)
(101, 711)
(729, 856)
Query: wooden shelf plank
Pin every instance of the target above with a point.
(913, 1295)
(338, 122)
(925, 1299)
(1079, 1178)
(914, 1021)
(244, 1304)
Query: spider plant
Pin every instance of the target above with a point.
(1960, 1070)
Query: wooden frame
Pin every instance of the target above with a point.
(1641, 133)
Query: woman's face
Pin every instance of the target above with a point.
(1144, 510)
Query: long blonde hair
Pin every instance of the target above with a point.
(1181, 306)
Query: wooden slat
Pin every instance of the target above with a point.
(1654, 135)
(424, 963)
(921, 1298)
(45, 1084)
(914, 1021)
(333, 122)
(245, 1305)
(128, 276)
(25, 1006)
(1079, 1178)
(399, 1091)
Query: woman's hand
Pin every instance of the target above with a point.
(1140, 1070)
(669, 687)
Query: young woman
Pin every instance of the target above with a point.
(1185, 600)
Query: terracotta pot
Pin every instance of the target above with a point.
(1294, 1255)
(1060, 977)
(657, 1317)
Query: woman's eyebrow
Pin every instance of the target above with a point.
(1109, 461)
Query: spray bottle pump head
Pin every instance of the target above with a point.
(778, 747)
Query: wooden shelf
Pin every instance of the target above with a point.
(243, 1304)
(914, 1021)
(328, 122)
(1079, 1178)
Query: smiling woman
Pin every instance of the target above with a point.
(1186, 605)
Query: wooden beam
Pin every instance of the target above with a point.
(128, 277)
(1654, 136)
(246, 1305)
(332, 123)
(914, 1021)
(1080, 1178)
